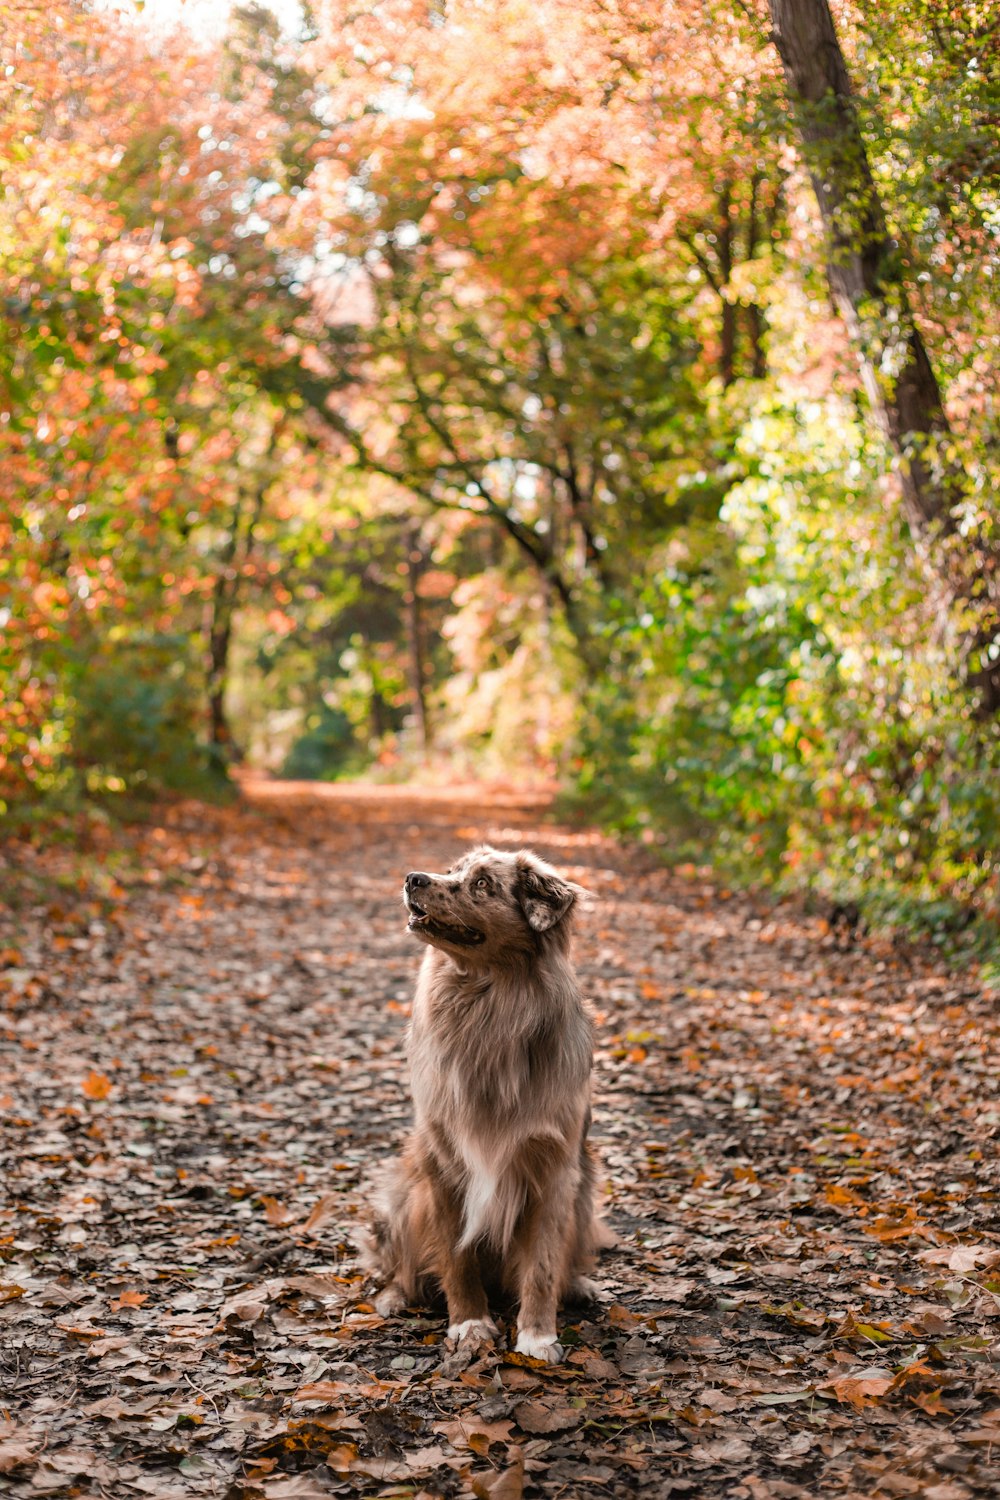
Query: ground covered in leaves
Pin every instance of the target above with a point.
(201, 1030)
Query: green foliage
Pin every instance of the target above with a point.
(778, 696)
(135, 714)
(350, 414)
(327, 749)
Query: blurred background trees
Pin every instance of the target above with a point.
(485, 388)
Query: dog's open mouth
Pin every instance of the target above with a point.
(462, 936)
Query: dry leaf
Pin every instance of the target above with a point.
(858, 1390)
(276, 1212)
(129, 1299)
(506, 1486)
(326, 1209)
(535, 1416)
(96, 1085)
(328, 1391)
(474, 1433)
(962, 1258)
(247, 1306)
(14, 1454)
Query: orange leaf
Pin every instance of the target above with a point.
(129, 1299)
(842, 1197)
(919, 1369)
(931, 1403)
(275, 1210)
(888, 1228)
(96, 1085)
(623, 1317)
(324, 1390)
(859, 1390)
(340, 1457)
(322, 1213)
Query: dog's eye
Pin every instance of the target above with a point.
(482, 883)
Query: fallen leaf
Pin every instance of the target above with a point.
(295, 1487)
(96, 1085)
(129, 1299)
(726, 1451)
(716, 1400)
(426, 1460)
(326, 1209)
(14, 1455)
(474, 1434)
(325, 1390)
(509, 1485)
(858, 1390)
(962, 1258)
(931, 1403)
(275, 1211)
(535, 1416)
(247, 1306)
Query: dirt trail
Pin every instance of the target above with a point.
(200, 1060)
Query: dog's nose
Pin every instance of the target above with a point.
(415, 880)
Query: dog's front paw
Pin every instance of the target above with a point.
(544, 1346)
(481, 1330)
(583, 1289)
(389, 1302)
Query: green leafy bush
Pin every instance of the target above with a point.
(135, 712)
(782, 696)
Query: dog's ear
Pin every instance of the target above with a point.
(544, 897)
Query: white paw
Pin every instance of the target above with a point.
(479, 1329)
(543, 1346)
(389, 1302)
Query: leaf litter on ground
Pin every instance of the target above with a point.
(201, 1062)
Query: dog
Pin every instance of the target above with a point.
(495, 1186)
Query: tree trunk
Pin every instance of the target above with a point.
(219, 638)
(867, 284)
(219, 625)
(727, 353)
(415, 563)
(755, 318)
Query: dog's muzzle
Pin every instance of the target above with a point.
(421, 921)
(415, 881)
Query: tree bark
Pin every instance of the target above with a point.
(755, 318)
(867, 283)
(219, 625)
(219, 639)
(727, 353)
(415, 563)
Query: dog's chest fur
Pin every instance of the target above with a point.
(500, 1065)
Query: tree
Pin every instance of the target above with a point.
(869, 289)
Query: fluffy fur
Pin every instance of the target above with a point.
(495, 1185)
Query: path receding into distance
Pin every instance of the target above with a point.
(201, 1029)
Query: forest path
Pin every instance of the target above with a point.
(201, 1060)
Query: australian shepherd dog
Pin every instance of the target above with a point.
(495, 1186)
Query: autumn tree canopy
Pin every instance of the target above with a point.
(599, 389)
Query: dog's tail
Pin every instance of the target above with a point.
(603, 1236)
(396, 1247)
(381, 1247)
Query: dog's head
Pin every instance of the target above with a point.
(492, 905)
